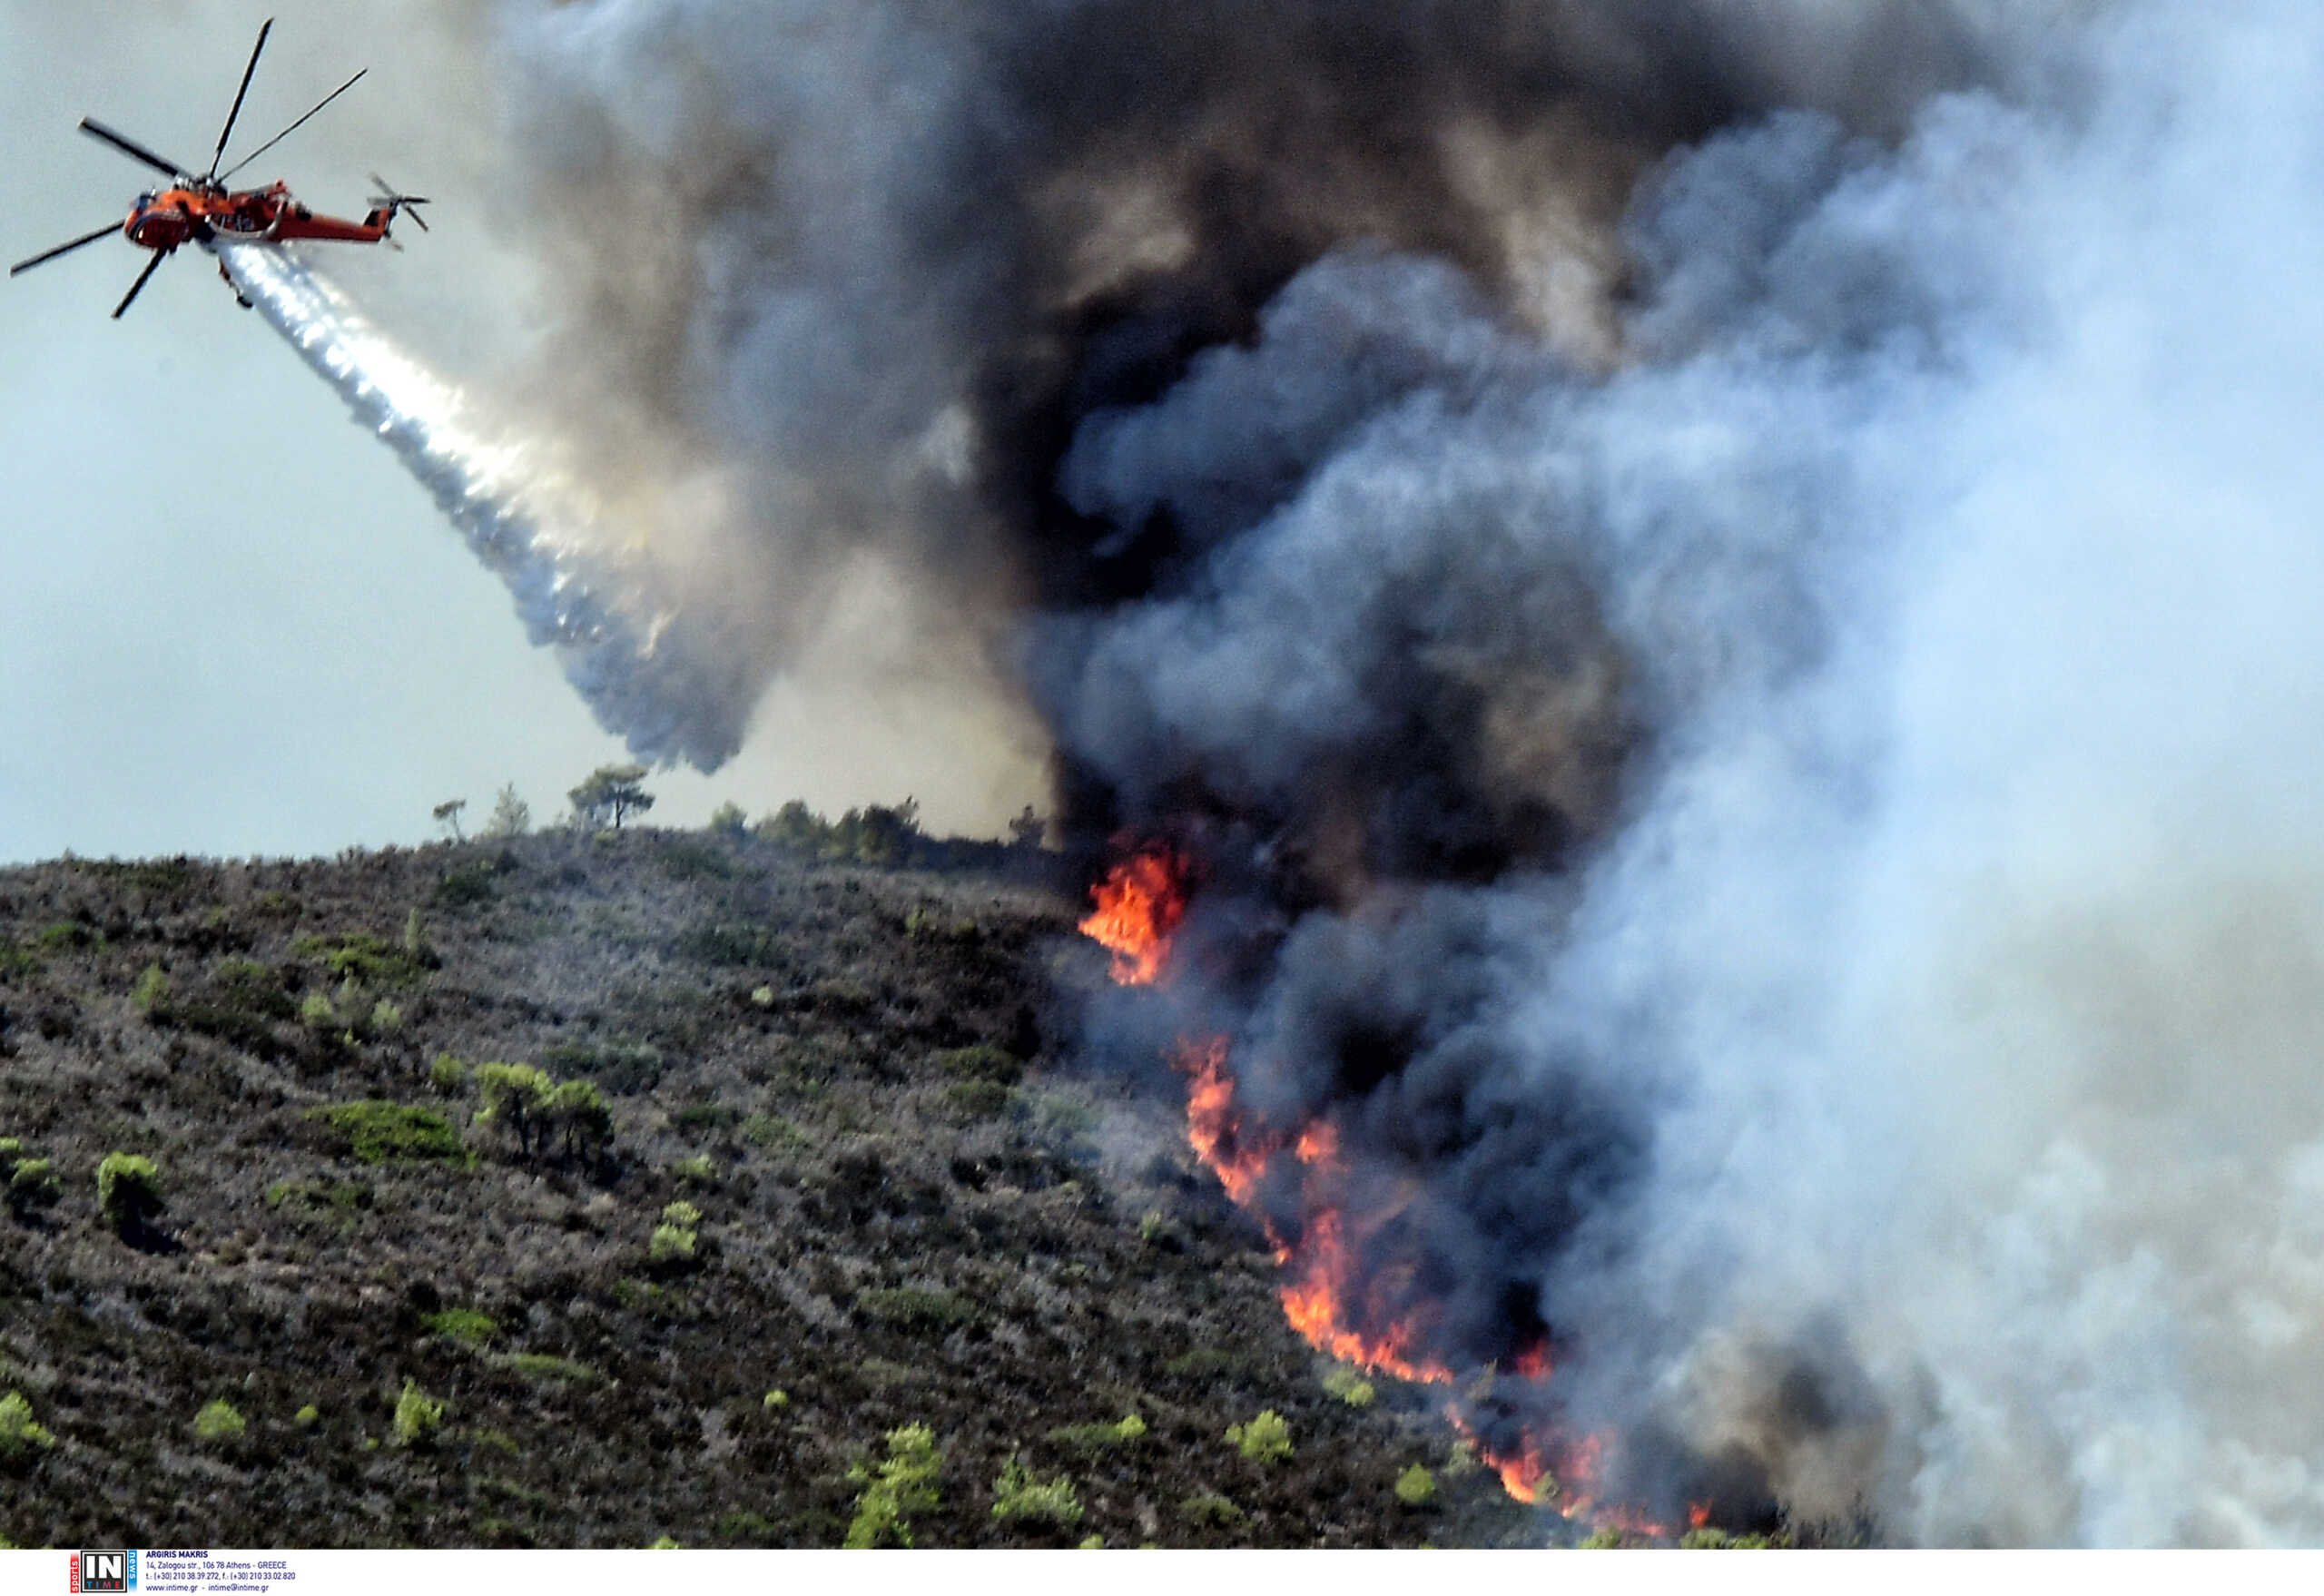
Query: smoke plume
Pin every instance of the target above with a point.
(1725, 595)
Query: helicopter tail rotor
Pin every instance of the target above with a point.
(393, 203)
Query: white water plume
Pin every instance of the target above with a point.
(521, 509)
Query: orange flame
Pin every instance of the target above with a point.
(1211, 1126)
(1138, 906)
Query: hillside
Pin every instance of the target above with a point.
(909, 1209)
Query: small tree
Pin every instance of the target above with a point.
(448, 815)
(899, 1486)
(794, 825)
(418, 1417)
(885, 836)
(611, 794)
(728, 820)
(577, 1110)
(511, 816)
(22, 1438)
(1027, 831)
(516, 1098)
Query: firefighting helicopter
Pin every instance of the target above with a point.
(203, 210)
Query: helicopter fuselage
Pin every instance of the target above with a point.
(166, 219)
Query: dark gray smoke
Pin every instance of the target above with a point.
(882, 258)
(1725, 595)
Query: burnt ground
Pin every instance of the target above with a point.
(915, 1210)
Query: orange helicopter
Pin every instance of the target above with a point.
(203, 210)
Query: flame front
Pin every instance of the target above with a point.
(1326, 1296)
(1138, 906)
(1211, 1127)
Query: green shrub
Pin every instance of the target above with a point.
(728, 820)
(912, 1308)
(316, 1013)
(1603, 1540)
(537, 1366)
(746, 1528)
(387, 1019)
(152, 991)
(31, 1182)
(902, 1484)
(1416, 1487)
(981, 1063)
(1265, 1439)
(1703, 1537)
(128, 1190)
(775, 1134)
(370, 960)
(341, 1201)
(21, 1439)
(1211, 1512)
(1018, 1494)
(697, 1170)
(465, 1325)
(616, 1067)
(719, 942)
(448, 1075)
(778, 1397)
(1349, 1387)
(418, 1417)
(1211, 1363)
(978, 1099)
(307, 1417)
(381, 1132)
(218, 1423)
(464, 888)
(1094, 1438)
(796, 826)
(687, 861)
(671, 1245)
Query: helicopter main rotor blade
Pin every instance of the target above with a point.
(136, 288)
(131, 148)
(64, 249)
(294, 127)
(247, 73)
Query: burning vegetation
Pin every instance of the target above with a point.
(1334, 1289)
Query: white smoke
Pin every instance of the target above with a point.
(528, 514)
(1963, 952)
(1911, 1088)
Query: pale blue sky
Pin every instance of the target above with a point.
(228, 623)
